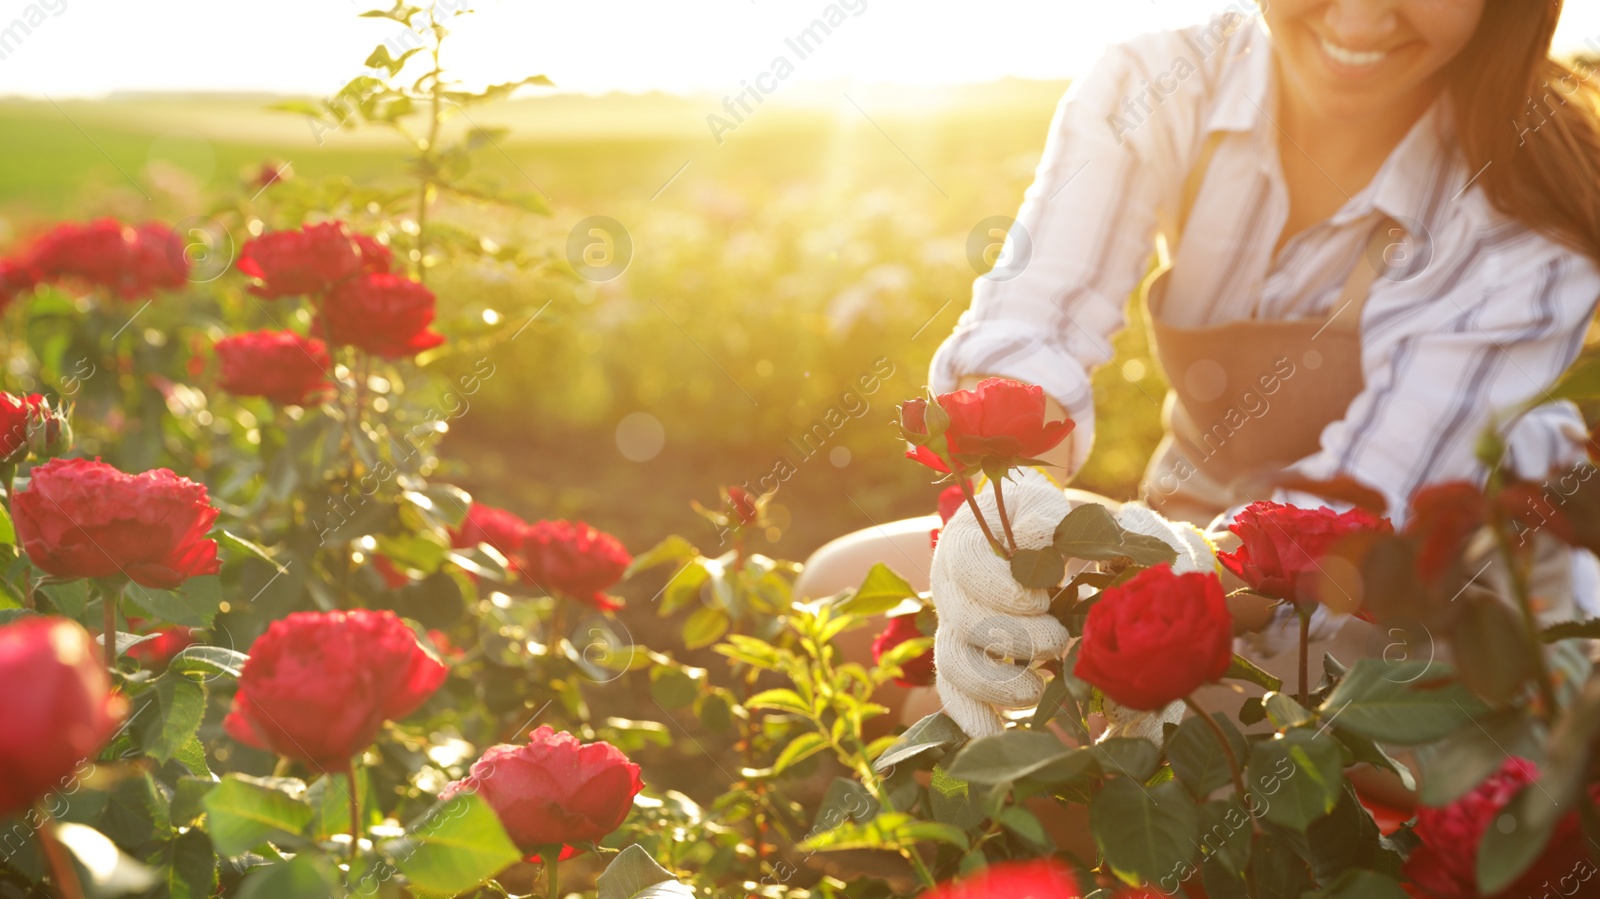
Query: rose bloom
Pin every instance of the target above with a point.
(16, 278)
(1282, 546)
(58, 707)
(919, 671)
(553, 791)
(1001, 420)
(574, 559)
(15, 414)
(1036, 879)
(282, 366)
(376, 259)
(318, 686)
(386, 315)
(83, 519)
(1445, 866)
(1156, 638)
(500, 529)
(132, 262)
(158, 260)
(157, 652)
(295, 263)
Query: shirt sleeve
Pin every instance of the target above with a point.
(1498, 338)
(1085, 234)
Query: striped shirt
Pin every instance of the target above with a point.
(1479, 315)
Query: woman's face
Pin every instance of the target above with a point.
(1359, 58)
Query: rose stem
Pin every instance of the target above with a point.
(1005, 520)
(1305, 650)
(550, 858)
(355, 813)
(972, 503)
(109, 637)
(61, 870)
(1530, 621)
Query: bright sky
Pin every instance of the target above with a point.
(91, 47)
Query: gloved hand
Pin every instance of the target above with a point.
(987, 618)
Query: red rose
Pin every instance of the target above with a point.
(447, 648)
(554, 791)
(1282, 546)
(574, 559)
(1001, 421)
(158, 260)
(296, 263)
(157, 652)
(1445, 866)
(376, 259)
(58, 707)
(282, 366)
(392, 577)
(319, 685)
(1037, 879)
(16, 278)
(386, 315)
(16, 413)
(106, 253)
(83, 519)
(743, 505)
(1156, 638)
(919, 671)
(500, 529)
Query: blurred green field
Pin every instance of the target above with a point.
(822, 239)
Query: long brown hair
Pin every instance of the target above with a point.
(1533, 121)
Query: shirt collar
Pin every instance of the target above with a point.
(1422, 166)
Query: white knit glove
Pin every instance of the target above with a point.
(986, 618)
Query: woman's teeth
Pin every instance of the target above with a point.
(1352, 57)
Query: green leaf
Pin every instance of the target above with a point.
(1198, 759)
(70, 599)
(936, 731)
(8, 533)
(188, 866)
(781, 700)
(672, 549)
(1089, 532)
(673, 687)
(881, 591)
(951, 801)
(891, 830)
(705, 627)
(181, 703)
(457, 844)
(1491, 635)
(1451, 768)
(1296, 777)
(1284, 711)
(243, 812)
(1127, 756)
(1359, 884)
(1582, 380)
(1572, 630)
(750, 650)
(247, 548)
(1406, 703)
(1008, 757)
(194, 604)
(1144, 832)
(1243, 669)
(209, 660)
(1040, 569)
(633, 874)
(109, 870)
(799, 749)
(308, 875)
(1022, 822)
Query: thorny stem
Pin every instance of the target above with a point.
(108, 634)
(550, 858)
(1005, 520)
(1305, 649)
(355, 813)
(55, 855)
(972, 503)
(1238, 778)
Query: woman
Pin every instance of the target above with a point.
(1382, 219)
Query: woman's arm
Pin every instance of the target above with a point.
(1113, 165)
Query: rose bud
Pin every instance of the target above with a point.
(500, 529)
(553, 791)
(49, 432)
(318, 686)
(575, 560)
(1157, 638)
(917, 672)
(386, 315)
(1282, 546)
(296, 263)
(1036, 879)
(83, 519)
(376, 259)
(1001, 422)
(157, 652)
(16, 412)
(281, 366)
(1445, 865)
(743, 505)
(58, 707)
